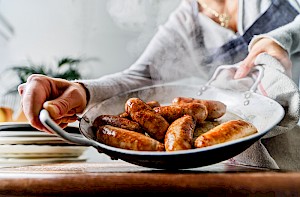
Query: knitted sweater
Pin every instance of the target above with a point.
(174, 53)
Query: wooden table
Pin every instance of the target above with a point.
(97, 179)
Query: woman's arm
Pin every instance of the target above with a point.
(281, 43)
(287, 36)
(169, 56)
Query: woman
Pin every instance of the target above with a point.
(198, 37)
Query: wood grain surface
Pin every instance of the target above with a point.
(116, 178)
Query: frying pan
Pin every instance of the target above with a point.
(264, 113)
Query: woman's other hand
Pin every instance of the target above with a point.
(61, 98)
(264, 45)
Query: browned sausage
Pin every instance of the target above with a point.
(117, 121)
(225, 132)
(180, 134)
(172, 112)
(152, 122)
(123, 138)
(216, 109)
(124, 115)
(152, 104)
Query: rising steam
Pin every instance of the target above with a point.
(140, 16)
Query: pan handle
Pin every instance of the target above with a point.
(253, 88)
(53, 127)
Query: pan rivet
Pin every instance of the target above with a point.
(247, 95)
(202, 89)
(86, 119)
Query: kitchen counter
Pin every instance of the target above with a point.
(118, 177)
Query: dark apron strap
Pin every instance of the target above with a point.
(278, 14)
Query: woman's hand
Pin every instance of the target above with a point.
(264, 45)
(61, 98)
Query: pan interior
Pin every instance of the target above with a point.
(262, 112)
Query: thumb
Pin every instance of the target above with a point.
(69, 103)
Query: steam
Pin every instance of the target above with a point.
(140, 16)
(128, 15)
(144, 17)
(136, 15)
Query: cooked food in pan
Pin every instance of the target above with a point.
(172, 112)
(179, 135)
(153, 123)
(123, 138)
(117, 121)
(186, 123)
(152, 104)
(216, 109)
(227, 131)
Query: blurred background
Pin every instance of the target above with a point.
(97, 36)
(106, 36)
(114, 32)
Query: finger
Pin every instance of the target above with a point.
(32, 105)
(21, 88)
(289, 73)
(63, 125)
(246, 66)
(53, 109)
(47, 131)
(287, 64)
(66, 120)
(69, 103)
(72, 112)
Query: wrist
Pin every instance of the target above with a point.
(86, 92)
(258, 38)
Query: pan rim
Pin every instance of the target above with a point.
(255, 136)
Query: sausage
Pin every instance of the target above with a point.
(126, 139)
(117, 121)
(152, 104)
(152, 122)
(179, 135)
(172, 112)
(227, 131)
(124, 115)
(216, 109)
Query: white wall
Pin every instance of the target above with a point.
(46, 30)
(113, 31)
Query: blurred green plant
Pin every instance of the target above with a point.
(66, 68)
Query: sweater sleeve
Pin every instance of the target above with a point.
(166, 58)
(287, 36)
